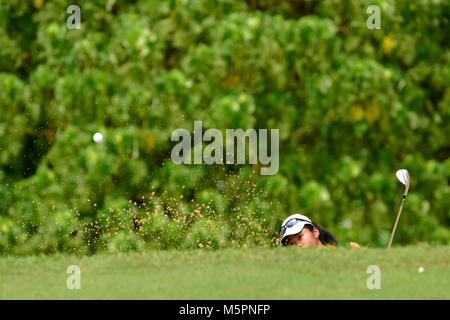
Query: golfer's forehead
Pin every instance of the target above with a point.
(292, 236)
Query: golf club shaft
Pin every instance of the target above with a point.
(396, 222)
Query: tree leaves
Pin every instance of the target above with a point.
(352, 105)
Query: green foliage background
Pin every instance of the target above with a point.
(352, 105)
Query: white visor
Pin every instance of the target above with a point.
(298, 227)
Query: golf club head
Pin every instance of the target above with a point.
(403, 176)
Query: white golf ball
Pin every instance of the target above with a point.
(421, 269)
(98, 137)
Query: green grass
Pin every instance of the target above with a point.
(277, 273)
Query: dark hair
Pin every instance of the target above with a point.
(325, 236)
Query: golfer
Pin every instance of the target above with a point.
(299, 230)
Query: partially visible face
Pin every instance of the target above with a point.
(305, 238)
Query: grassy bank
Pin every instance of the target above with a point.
(277, 273)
